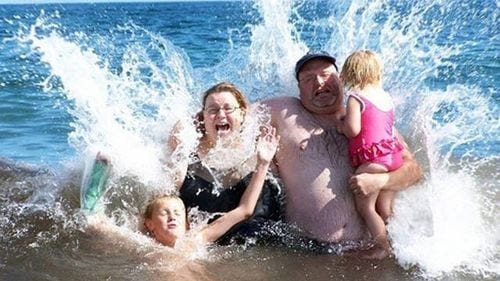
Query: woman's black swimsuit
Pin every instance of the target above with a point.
(198, 192)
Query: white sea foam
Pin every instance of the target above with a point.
(448, 223)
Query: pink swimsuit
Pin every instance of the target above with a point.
(375, 142)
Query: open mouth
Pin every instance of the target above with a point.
(222, 128)
(324, 95)
(320, 93)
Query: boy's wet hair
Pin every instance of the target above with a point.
(148, 212)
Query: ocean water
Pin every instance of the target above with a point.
(79, 78)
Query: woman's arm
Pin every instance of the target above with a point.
(266, 148)
(408, 174)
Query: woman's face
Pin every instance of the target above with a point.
(222, 115)
(168, 221)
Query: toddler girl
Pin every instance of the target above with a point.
(368, 124)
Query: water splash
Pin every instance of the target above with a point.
(439, 69)
(128, 112)
(453, 120)
(266, 67)
(448, 223)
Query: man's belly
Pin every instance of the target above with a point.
(318, 199)
(322, 212)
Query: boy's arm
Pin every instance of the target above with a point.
(103, 228)
(408, 174)
(244, 210)
(266, 148)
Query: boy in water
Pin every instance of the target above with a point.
(165, 217)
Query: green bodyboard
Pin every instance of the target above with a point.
(94, 184)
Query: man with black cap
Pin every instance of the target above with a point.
(313, 160)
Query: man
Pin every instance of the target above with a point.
(313, 160)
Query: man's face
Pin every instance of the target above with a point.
(320, 87)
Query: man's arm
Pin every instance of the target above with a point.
(408, 174)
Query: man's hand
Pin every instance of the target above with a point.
(364, 183)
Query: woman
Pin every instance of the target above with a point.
(222, 169)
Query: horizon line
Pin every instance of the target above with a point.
(42, 2)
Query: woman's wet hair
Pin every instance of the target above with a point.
(227, 87)
(217, 88)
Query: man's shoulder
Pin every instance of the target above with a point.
(278, 103)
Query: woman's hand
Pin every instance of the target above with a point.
(267, 144)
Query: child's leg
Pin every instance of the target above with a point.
(366, 206)
(384, 204)
(385, 197)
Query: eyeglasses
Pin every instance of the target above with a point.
(215, 110)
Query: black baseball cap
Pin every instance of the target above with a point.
(311, 55)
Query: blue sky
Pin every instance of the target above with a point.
(90, 1)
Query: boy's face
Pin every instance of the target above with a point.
(168, 221)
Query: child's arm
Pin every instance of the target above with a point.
(104, 229)
(266, 148)
(351, 125)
